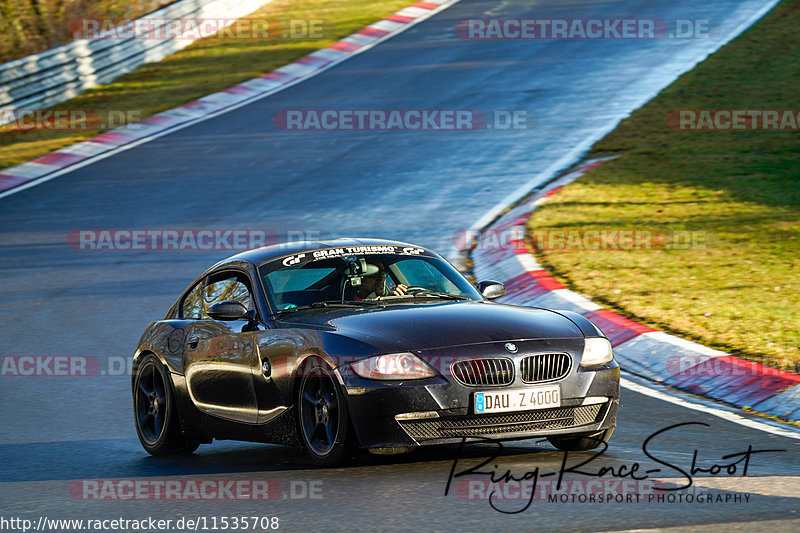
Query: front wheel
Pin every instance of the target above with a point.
(154, 411)
(581, 443)
(322, 415)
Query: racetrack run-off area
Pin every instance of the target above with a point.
(640, 349)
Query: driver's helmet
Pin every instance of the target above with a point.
(367, 272)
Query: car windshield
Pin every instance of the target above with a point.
(361, 276)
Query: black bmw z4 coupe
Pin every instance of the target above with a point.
(365, 343)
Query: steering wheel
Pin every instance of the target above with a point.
(415, 290)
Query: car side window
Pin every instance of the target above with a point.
(228, 286)
(192, 306)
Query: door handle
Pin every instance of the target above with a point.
(266, 368)
(193, 341)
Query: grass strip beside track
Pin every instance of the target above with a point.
(205, 67)
(736, 286)
(33, 26)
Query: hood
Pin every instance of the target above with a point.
(429, 326)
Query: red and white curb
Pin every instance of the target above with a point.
(640, 350)
(25, 175)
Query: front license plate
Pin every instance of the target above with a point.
(518, 399)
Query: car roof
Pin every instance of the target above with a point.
(259, 256)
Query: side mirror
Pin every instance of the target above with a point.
(227, 310)
(491, 289)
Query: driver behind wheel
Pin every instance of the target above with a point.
(373, 285)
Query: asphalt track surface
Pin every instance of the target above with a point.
(238, 171)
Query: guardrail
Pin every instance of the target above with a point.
(44, 79)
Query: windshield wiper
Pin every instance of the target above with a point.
(427, 294)
(327, 304)
(436, 294)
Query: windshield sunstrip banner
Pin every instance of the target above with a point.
(344, 251)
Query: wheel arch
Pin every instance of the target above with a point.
(175, 388)
(140, 354)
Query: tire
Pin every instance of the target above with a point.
(154, 411)
(189, 445)
(323, 421)
(581, 443)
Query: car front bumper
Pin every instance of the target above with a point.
(441, 410)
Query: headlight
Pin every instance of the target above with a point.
(393, 366)
(597, 351)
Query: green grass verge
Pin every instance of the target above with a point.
(32, 26)
(739, 190)
(207, 66)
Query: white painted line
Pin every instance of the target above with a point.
(328, 54)
(29, 170)
(87, 148)
(528, 262)
(579, 301)
(655, 341)
(185, 112)
(388, 25)
(222, 98)
(658, 356)
(257, 84)
(267, 84)
(138, 130)
(412, 12)
(783, 404)
(400, 29)
(730, 414)
(359, 39)
(298, 69)
(566, 300)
